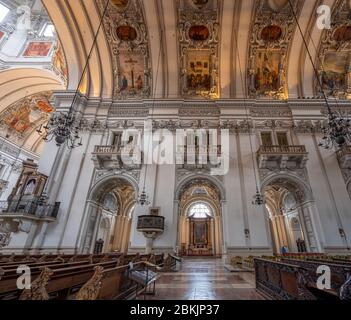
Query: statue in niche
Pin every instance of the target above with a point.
(24, 18)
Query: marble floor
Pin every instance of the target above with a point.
(205, 279)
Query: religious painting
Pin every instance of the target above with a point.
(342, 34)
(271, 33)
(267, 71)
(126, 33)
(335, 71)
(200, 232)
(132, 72)
(120, 4)
(44, 106)
(199, 33)
(21, 117)
(198, 70)
(37, 49)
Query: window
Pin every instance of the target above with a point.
(200, 211)
(282, 138)
(117, 139)
(266, 138)
(48, 31)
(3, 12)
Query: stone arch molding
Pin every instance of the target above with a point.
(290, 180)
(303, 195)
(184, 181)
(103, 181)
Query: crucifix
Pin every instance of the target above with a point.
(131, 62)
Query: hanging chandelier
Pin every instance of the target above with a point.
(258, 199)
(64, 127)
(143, 198)
(336, 132)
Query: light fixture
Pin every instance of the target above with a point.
(143, 198)
(336, 132)
(258, 197)
(64, 127)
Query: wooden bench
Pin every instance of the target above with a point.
(280, 281)
(8, 285)
(292, 279)
(116, 283)
(62, 276)
(339, 275)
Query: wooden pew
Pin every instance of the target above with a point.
(60, 283)
(339, 272)
(292, 279)
(120, 282)
(8, 286)
(280, 281)
(67, 274)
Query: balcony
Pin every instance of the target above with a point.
(191, 156)
(282, 157)
(116, 157)
(28, 211)
(344, 157)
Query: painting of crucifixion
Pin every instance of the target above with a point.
(131, 72)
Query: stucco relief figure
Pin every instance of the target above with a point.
(24, 18)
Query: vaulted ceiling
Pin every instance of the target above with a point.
(238, 24)
(230, 41)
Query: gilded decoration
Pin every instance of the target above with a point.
(334, 57)
(271, 33)
(198, 35)
(127, 34)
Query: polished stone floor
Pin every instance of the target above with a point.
(205, 279)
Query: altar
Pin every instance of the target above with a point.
(200, 238)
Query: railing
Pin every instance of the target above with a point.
(282, 150)
(106, 149)
(31, 208)
(197, 152)
(343, 152)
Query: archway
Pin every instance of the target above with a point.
(289, 206)
(200, 219)
(110, 211)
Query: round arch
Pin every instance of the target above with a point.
(188, 179)
(120, 226)
(190, 191)
(303, 210)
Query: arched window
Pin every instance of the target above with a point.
(110, 203)
(200, 210)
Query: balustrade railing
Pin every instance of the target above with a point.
(282, 150)
(31, 208)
